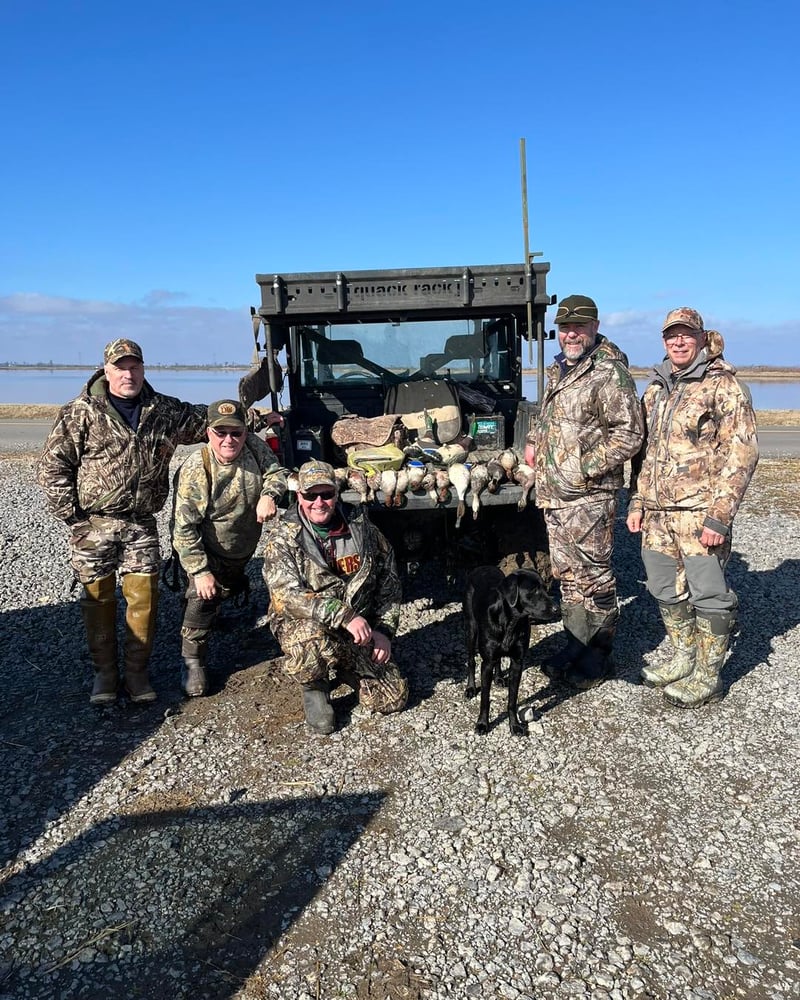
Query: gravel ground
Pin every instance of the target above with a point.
(214, 849)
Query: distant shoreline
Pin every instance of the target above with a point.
(757, 373)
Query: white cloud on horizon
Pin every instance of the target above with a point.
(36, 327)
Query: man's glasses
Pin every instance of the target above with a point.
(690, 335)
(227, 434)
(327, 496)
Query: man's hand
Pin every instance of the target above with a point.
(711, 538)
(206, 586)
(381, 647)
(361, 630)
(634, 521)
(265, 509)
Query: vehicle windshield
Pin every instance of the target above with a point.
(465, 350)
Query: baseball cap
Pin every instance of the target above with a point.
(227, 412)
(576, 309)
(685, 317)
(121, 348)
(315, 474)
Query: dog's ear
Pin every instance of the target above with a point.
(512, 590)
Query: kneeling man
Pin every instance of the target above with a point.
(334, 600)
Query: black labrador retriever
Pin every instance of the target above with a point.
(498, 611)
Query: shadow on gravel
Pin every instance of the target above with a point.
(190, 901)
(54, 746)
(769, 606)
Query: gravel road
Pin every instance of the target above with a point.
(213, 849)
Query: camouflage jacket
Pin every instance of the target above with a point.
(301, 585)
(214, 509)
(590, 424)
(702, 444)
(93, 462)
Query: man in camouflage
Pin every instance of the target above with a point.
(105, 473)
(687, 484)
(224, 493)
(334, 600)
(590, 424)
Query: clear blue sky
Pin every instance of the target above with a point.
(158, 155)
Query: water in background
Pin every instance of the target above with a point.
(203, 386)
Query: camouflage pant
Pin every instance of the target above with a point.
(312, 652)
(199, 614)
(581, 541)
(679, 567)
(103, 546)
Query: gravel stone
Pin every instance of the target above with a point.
(624, 850)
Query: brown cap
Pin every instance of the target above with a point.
(315, 474)
(684, 316)
(576, 309)
(121, 348)
(227, 413)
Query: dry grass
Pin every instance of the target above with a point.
(43, 411)
(28, 411)
(775, 486)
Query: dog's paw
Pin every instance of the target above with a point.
(481, 728)
(470, 692)
(517, 728)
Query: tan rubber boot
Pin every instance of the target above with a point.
(141, 592)
(704, 683)
(679, 621)
(99, 610)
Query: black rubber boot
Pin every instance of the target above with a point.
(595, 664)
(193, 675)
(574, 617)
(317, 706)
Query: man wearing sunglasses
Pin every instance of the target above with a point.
(334, 600)
(104, 470)
(687, 484)
(224, 493)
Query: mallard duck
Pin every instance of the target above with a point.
(478, 478)
(496, 474)
(459, 477)
(526, 477)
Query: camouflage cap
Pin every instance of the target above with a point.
(315, 474)
(684, 316)
(227, 413)
(121, 348)
(576, 309)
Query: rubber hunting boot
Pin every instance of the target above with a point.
(99, 610)
(575, 631)
(595, 664)
(704, 683)
(141, 592)
(679, 621)
(193, 672)
(317, 707)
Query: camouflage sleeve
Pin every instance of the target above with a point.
(389, 590)
(297, 588)
(635, 501)
(734, 460)
(622, 423)
(192, 422)
(57, 468)
(191, 504)
(273, 475)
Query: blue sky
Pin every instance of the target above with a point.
(158, 155)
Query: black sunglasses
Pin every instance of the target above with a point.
(311, 497)
(222, 434)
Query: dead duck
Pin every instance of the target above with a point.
(478, 478)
